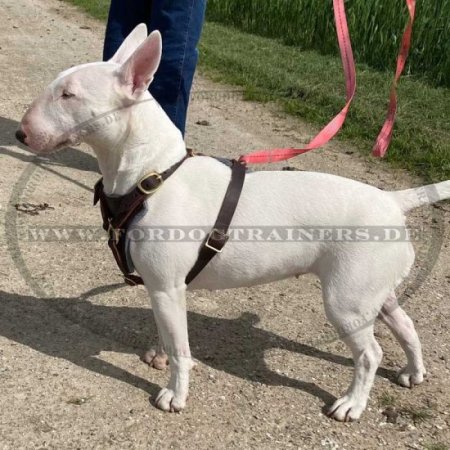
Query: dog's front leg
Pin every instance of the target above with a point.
(169, 308)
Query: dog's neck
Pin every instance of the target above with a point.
(139, 140)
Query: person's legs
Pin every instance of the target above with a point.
(123, 17)
(180, 23)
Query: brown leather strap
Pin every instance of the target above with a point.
(120, 207)
(117, 213)
(218, 236)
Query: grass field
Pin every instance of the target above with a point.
(376, 28)
(311, 86)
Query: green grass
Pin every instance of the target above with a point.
(376, 28)
(311, 86)
(436, 446)
(418, 415)
(96, 8)
(387, 399)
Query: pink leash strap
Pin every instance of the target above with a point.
(330, 130)
(385, 136)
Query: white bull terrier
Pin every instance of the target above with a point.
(358, 278)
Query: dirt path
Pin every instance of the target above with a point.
(70, 333)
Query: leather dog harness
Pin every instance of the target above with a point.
(119, 212)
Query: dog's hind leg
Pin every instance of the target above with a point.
(356, 280)
(367, 356)
(156, 357)
(403, 329)
(353, 314)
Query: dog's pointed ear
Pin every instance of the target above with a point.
(138, 71)
(130, 44)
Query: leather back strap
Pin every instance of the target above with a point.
(218, 236)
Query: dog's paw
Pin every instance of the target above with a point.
(346, 409)
(409, 377)
(168, 401)
(155, 359)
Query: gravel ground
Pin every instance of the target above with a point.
(71, 333)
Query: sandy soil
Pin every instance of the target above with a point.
(71, 333)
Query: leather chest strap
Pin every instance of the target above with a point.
(218, 236)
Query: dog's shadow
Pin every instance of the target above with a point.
(235, 346)
(68, 157)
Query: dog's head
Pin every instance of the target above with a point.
(86, 99)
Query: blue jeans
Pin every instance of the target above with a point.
(180, 23)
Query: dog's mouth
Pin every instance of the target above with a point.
(66, 143)
(46, 150)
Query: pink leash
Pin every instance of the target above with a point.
(332, 128)
(385, 136)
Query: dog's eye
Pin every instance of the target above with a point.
(67, 94)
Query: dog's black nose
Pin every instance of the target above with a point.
(21, 136)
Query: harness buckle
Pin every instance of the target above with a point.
(220, 239)
(150, 191)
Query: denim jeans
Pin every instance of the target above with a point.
(180, 23)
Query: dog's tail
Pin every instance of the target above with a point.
(426, 195)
